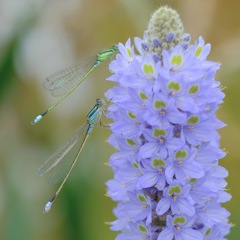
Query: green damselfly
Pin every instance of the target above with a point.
(65, 81)
(60, 164)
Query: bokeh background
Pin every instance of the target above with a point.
(39, 37)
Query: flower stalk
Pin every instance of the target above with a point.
(167, 183)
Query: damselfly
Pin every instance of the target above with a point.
(65, 81)
(60, 164)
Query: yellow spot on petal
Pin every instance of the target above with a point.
(176, 60)
(193, 89)
(193, 120)
(129, 52)
(198, 51)
(143, 96)
(148, 68)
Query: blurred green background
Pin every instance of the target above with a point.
(37, 38)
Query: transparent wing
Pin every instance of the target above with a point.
(62, 81)
(59, 163)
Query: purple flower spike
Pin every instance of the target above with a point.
(167, 182)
